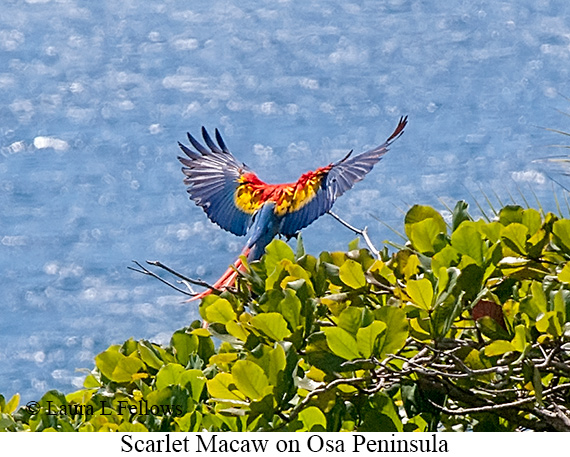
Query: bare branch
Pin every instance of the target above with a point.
(196, 282)
(563, 414)
(146, 271)
(498, 406)
(184, 279)
(337, 382)
(363, 233)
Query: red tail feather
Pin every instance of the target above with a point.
(228, 279)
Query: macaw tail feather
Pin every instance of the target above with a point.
(228, 279)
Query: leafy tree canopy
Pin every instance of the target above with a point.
(465, 327)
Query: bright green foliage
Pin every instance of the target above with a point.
(467, 326)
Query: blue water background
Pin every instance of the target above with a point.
(95, 95)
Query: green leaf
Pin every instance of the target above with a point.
(469, 281)
(421, 292)
(350, 319)
(169, 398)
(353, 245)
(107, 361)
(532, 220)
(367, 338)
(447, 257)
(128, 347)
(55, 397)
(168, 375)
(271, 324)
(492, 231)
(148, 356)
(2, 403)
(423, 236)
(443, 285)
(266, 407)
(489, 422)
(418, 213)
(126, 368)
(473, 359)
(499, 347)
(423, 224)
(562, 305)
(342, 343)
(190, 422)
(460, 214)
(467, 240)
(11, 406)
(277, 363)
(313, 420)
(184, 345)
(220, 311)
(444, 314)
(514, 236)
(222, 386)
(538, 296)
(117, 367)
(250, 379)
(510, 214)
(303, 288)
(561, 232)
(407, 264)
(206, 347)
(196, 379)
(549, 323)
(564, 274)
(352, 275)
(91, 381)
(380, 415)
(276, 251)
(296, 271)
(519, 340)
(397, 331)
(274, 276)
(491, 328)
(237, 330)
(290, 308)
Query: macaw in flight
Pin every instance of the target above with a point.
(238, 201)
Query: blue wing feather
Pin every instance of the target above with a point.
(213, 174)
(341, 177)
(212, 178)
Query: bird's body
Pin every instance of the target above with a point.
(238, 201)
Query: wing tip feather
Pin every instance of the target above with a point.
(399, 129)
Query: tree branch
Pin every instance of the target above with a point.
(337, 382)
(363, 233)
(146, 271)
(184, 279)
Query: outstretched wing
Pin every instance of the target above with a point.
(213, 177)
(315, 193)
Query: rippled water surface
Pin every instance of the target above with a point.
(95, 95)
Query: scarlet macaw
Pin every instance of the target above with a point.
(238, 201)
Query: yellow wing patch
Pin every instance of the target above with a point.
(252, 193)
(299, 194)
(249, 197)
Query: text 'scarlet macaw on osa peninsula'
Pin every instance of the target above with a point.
(238, 201)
